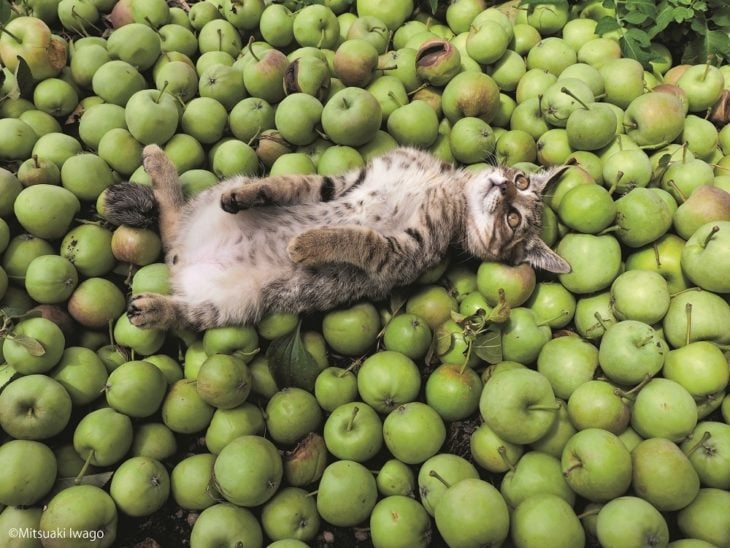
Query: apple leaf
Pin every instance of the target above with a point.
(7, 373)
(488, 345)
(5, 11)
(99, 480)
(33, 346)
(290, 363)
(434, 5)
(24, 77)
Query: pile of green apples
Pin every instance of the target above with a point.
(485, 404)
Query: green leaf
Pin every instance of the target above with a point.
(434, 5)
(99, 480)
(500, 313)
(33, 346)
(636, 17)
(24, 77)
(488, 345)
(7, 373)
(5, 11)
(290, 363)
(606, 24)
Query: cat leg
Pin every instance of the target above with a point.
(167, 190)
(155, 311)
(286, 190)
(359, 246)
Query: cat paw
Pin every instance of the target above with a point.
(240, 199)
(154, 160)
(146, 311)
(303, 249)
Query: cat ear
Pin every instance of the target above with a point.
(549, 177)
(539, 255)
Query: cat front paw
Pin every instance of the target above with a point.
(240, 199)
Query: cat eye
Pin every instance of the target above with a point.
(513, 219)
(521, 182)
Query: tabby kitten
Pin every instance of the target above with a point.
(249, 246)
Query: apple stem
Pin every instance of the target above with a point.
(395, 99)
(572, 467)
(419, 88)
(6, 31)
(312, 493)
(676, 189)
(645, 341)
(574, 96)
(84, 20)
(435, 474)
(560, 314)
(714, 230)
(614, 185)
(539, 104)
(35, 161)
(612, 228)
(159, 95)
(629, 394)
(600, 320)
(220, 39)
(588, 513)
(707, 69)
(684, 152)
(705, 436)
(688, 332)
(250, 49)
(321, 39)
(655, 247)
(351, 423)
(502, 450)
(84, 468)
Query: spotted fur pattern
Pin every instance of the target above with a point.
(249, 246)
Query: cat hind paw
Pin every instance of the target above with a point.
(302, 250)
(154, 160)
(146, 311)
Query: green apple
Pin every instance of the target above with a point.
(84, 509)
(414, 124)
(664, 409)
(663, 475)
(400, 517)
(191, 482)
(82, 373)
(35, 345)
(227, 524)
(700, 367)
(353, 431)
(696, 315)
(470, 94)
(135, 43)
(543, 519)
(152, 116)
(703, 85)
(523, 336)
(347, 493)
(31, 39)
(597, 465)
(701, 520)
(413, 432)
(291, 414)
(567, 362)
(664, 257)
(102, 437)
(519, 405)
(631, 521)
(248, 471)
(599, 404)
(535, 473)
(297, 118)
(140, 486)
(707, 450)
(116, 81)
(471, 512)
(46, 211)
(552, 54)
(228, 424)
(34, 407)
(136, 388)
(641, 295)
(183, 410)
(595, 261)
(654, 119)
(705, 256)
(153, 440)
(491, 452)
(351, 117)
(316, 26)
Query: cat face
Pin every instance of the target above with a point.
(505, 215)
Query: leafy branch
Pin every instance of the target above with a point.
(695, 31)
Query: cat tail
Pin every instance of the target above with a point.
(131, 204)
